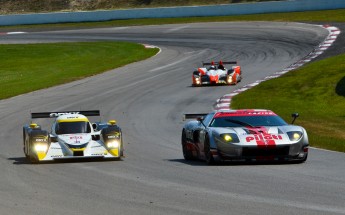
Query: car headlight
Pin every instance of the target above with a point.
(113, 144)
(41, 147)
(229, 138)
(294, 135)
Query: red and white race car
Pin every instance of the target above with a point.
(216, 73)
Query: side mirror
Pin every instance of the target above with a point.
(53, 138)
(94, 126)
(112, 122)
(200, 119)
(294, 116)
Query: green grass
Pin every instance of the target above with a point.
(25, 68)
(316, 91)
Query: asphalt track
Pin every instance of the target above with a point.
(148, 99)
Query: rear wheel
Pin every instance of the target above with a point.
(188, 155)
(208, 155)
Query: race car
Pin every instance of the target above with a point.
(72, 136)
(216, 73)
(243, 135)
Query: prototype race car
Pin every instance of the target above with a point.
(216, 73)
(72, 136)
(243, 135)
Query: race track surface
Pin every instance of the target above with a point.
(148, 99)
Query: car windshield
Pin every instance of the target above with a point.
(247, 121)
(72, 128)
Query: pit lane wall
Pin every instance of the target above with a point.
(168, 12)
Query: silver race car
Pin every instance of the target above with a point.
(72, 136)
(243, 135)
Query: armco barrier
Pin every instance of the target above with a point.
(194, 11)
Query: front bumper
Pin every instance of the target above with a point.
(248, 153)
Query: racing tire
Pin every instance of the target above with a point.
(188, 155)
(24, 144)
(25, 149)
(237, 79)
(302, 160)
(208, 155)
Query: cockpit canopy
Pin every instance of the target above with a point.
(72, 127)
(72, 124)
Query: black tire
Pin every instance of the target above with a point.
(302, 160)
(188, 155)
(208, 156)
(237, 79)
(25, 150)
(121, 148)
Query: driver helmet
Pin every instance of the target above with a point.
(212, 67)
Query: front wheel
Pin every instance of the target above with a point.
(302, 160)
(208, 155)
(186, 153)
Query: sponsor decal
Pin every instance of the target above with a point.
(76, 139)
(98, 154)
(60, 114)
(264, 139)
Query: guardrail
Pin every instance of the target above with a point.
(169, 12)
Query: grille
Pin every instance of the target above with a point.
(205, 78)
(78, 153)
(277, 151)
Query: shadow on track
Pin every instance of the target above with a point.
(24, 161)
(231, 163)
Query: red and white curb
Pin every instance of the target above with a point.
(224, 102)
(149, 46)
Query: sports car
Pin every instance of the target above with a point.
(216, 73)
(243, 135)
(72, 136)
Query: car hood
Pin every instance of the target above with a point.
(263, 135)
(215, 72)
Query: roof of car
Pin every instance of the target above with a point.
(72, 118)
(244, 112)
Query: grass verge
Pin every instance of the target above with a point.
(316, 91)
(25, 68)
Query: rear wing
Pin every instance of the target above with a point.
(193, 115)
(219, 63)
(56, 114)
